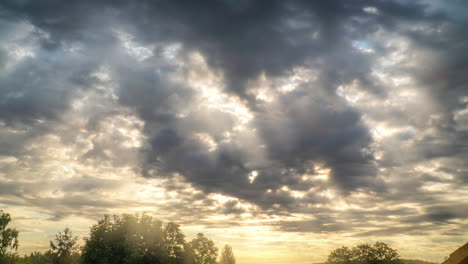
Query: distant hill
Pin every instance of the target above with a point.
(405, 261)
(417, 261)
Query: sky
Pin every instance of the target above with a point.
(283, 128)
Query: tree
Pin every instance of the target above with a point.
(65, 250)
(379, 253)
(227, 256)
(174, 243)
(125, 239)
(203, 250)
(8, 238)
(342, 255)
(134, 239)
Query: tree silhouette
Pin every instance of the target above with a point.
(342, 255)
(8, 238)
(379, 253)
(227, 256)
(125, 239)
(174, 243)
(65, 248)
(130, 239)
(203, 250)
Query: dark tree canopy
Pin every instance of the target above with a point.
(203, 250)
(65, 248)
(8, 237)
(133, 239)
(174, 242)
(379, 253)
(122, 239)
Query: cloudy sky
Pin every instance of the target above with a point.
(284, 128)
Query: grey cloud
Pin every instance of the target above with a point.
(232, 207)
(89, 183)
(319, 128)
(446, 213)
(416, 230)
(301, 130)
(314, 226)
(41, 87)
(83, 198)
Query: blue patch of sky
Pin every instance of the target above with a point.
(362, 45)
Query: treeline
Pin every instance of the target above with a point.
(134, 239)
(123, 239)
(378, 253)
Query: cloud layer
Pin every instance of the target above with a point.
(309, 117)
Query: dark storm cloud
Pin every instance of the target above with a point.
(243, 39)
(244, 42)
(441, 213)
(232, 207)
(301, 131)
(42, 87)
(320, 127)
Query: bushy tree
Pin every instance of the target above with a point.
(203, 250)
(129, 239)
(227, 256)
(379, 253)
(65, 248)
(174, 243)
(9, 258)
(342, 255)
(124, 239)
(8, 239)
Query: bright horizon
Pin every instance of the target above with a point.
(285, 129)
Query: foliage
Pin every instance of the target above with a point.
(65, 250)
(124, 239)
(9, 258)
(37, 258)
(129, 239)
(174, 243)
(203, 250)
(227, 256)
(379, 253)
(8, 239)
